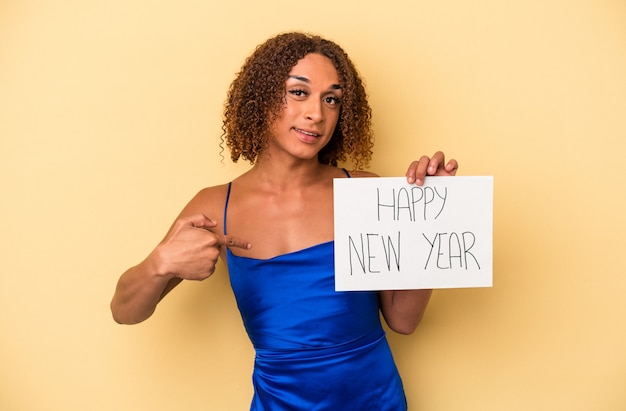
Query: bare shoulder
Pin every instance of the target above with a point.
(362, 173)
(208, 201)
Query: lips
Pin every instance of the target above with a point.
(307, 136)
(308, 133)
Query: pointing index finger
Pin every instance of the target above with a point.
(230, 241)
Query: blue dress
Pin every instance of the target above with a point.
(316, 349)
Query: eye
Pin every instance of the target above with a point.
(332, 100)
(298, 92)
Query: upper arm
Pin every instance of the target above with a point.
(403, 309)
(209, 201)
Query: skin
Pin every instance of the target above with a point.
(287, 191)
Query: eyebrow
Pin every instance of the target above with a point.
(306, 80)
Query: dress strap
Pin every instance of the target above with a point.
(226, 205)
(346, 171)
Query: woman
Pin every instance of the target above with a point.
(296, 109)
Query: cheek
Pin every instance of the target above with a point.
(288, 111)
(282, 117)
(333, 117)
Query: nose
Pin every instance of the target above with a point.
(313, 110)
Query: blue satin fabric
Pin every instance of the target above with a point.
(316, 349)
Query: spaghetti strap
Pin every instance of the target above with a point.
(226, 205)
(346, 171)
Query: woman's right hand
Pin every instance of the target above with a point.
(191, 248)
(189, 251)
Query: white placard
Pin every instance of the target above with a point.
(390, 235)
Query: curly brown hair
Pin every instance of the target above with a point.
(256, 96)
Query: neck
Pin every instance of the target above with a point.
(286, 174)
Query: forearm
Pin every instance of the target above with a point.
(403, 309)
(138, 292)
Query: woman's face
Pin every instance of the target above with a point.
(311, 109)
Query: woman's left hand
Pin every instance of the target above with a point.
(430, 166)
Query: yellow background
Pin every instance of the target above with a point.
(110, 121)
